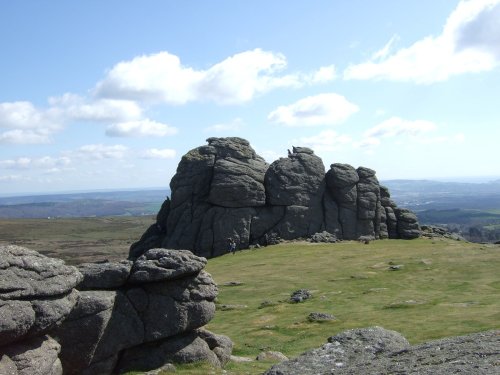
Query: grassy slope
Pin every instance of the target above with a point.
(444, 288)
(455, 285)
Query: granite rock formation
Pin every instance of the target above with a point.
(103, 318)
(379, 351)
(225, 190)
(36, 294)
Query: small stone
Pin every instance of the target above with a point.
(271, 356)
(320, 317)
(300, 295)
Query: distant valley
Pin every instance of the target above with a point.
(86, 204)
(472, 209)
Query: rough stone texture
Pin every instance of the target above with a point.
(271, 356)
(323, 237)
(106, 275)
(163, 264)
(167, 297)
(320, 317)
(36, 293)
(432, 231)
(27, 274)
(224, 190)
(35, 356)
(379, 351)
(162, 299)
(300, 295)
(198, 345)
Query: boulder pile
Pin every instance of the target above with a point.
(103, 318)
(224, 190)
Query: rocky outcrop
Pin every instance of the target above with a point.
(36, 294)
(224, 190)
(379, 351)
(102, 318)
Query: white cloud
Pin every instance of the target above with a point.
(327, 140)
(31, 125)
(73, 107)
(100, 151)
(322, 109)
(235, 124)
(44, 162)
(237, 79)
(140, 128)
(396, 127)
(26, 123)
(323, 75)
(469, 43)
(23, 136)
(155, 153)
(12, 178)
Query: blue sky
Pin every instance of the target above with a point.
(111, 94)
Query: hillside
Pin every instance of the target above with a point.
(443, 288)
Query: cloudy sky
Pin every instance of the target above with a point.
(110, 94)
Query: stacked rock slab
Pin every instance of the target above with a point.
(36, 294)
(225, 190)
(124, 316)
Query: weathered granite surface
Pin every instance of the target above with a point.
(102, 317)
(379, 351)
(224, 190)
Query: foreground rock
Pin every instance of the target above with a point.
(36, 294)
(379, 351)
(125, 316)
(224, 190)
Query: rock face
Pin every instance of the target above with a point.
(36, 294)
(105, 317)
(379, 351)
(225, 190)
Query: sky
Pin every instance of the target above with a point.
(110, 94)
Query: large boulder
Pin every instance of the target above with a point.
(164, 297)
(160, 300)
(379, 351)
(224, 192)
(296, 180)
(36, 293)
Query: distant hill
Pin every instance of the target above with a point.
(87, 204)
(472, 209)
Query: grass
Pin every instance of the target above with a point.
(76, 240)
(444, 287)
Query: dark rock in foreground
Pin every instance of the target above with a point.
(105, 317)
(224, 190)
(379, 351)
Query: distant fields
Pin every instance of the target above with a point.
(76, 240)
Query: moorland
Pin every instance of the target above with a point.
(439, 288)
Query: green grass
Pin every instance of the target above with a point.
(444, 288)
